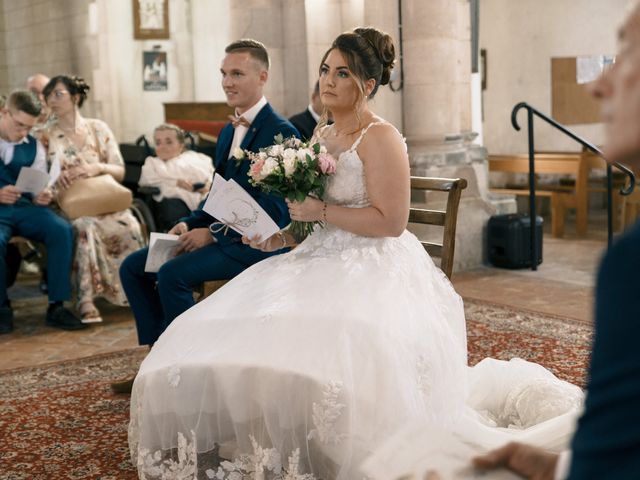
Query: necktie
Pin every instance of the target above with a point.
(236, 121)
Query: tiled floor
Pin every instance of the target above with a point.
(562, 285)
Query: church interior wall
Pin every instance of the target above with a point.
(521, 38)
(94, 39)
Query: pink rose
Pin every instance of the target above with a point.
(327, 164)
(256, 168)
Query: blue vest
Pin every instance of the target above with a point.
(23, 156)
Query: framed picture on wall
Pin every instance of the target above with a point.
(150, 19)
(154, 71)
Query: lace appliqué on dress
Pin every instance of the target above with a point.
(262, 464)
(154, 466)
(326, 414)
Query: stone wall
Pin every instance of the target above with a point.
(521, 37)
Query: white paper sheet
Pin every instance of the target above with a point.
(425, 447)
(162, 247)
(231, 204)
(32, 180)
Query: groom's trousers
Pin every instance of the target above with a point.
(157, 299)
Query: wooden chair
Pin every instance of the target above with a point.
(445, 218)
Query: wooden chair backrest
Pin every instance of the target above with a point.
(446, 218)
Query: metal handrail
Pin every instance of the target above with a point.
(531, 111)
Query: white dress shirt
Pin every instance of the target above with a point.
(313, 113)
(6, 153)
(240, 131)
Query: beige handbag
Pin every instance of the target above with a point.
(93, 196)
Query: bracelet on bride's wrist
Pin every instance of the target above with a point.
(324, 212)
(284, 240)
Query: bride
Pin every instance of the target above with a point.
(305, 363)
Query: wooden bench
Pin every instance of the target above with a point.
(561, 197)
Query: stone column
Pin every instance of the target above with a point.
(281, 27)
(383, 14)
(437, 113)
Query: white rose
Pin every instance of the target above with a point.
(323, 149)
(289, 153)
(275, 150)
(302, 154)
(262, 155)
(238, 153)
(269, 167)
(289, 165)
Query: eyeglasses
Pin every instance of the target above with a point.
(19, 125)
(57, 94)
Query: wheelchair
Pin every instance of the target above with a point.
(134, 155)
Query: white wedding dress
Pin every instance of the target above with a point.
(304, 364)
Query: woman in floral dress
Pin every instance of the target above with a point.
(87, 148)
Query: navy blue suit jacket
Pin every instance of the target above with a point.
(607, 441)
(267, 124)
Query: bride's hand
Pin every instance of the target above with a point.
(271, 244)
(310, 210)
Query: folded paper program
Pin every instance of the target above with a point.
(235, 209)
(162, 247)
(32, 180)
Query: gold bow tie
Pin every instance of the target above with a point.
(236, 121)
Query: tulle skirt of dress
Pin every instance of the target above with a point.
(305, 363)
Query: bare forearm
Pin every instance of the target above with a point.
(116, 171)
(367, 221)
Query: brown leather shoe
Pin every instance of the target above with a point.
(123, 386)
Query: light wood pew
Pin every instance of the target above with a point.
(561, 197)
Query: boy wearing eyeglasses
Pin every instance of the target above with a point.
(26, 215)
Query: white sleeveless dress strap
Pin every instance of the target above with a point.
(361, 136)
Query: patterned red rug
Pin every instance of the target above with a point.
(61, 421)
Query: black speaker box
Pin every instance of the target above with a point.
(509, 240)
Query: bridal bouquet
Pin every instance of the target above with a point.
(292, 169)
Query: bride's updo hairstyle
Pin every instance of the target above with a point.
(75, 86)
(369, 54)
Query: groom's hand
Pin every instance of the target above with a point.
(194, 240)
(530, 462)
(271, 244)
(179, 229)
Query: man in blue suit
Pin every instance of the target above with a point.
(29, 216)
(204, 253)
(607, 441)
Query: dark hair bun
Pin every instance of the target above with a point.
(382, 44)
(80, 84)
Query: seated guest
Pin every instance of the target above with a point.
(36, 84)
(28, 216)
(211, 254)
(183, 176)
(606, 443)
(87, 148)
(306, 121)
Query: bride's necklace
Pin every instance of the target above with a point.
(344, 132)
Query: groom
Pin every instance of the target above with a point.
(207, 253)
(607, 441)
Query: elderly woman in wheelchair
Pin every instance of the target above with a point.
(182, 177)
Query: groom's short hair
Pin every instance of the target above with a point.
(254, 48)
